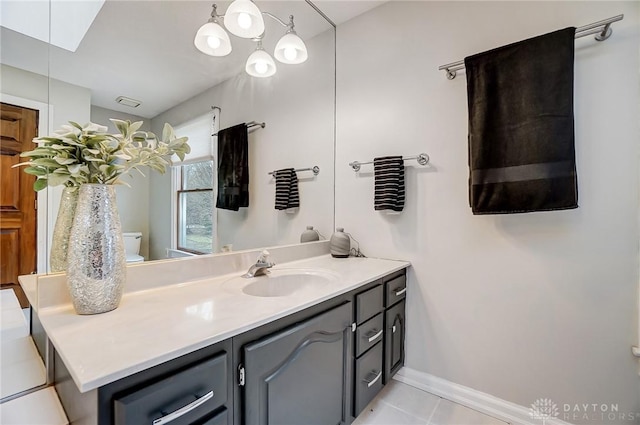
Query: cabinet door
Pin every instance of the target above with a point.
(302, 374)
(394, 340)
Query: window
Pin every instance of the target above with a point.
(195, 208)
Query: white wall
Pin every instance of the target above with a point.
(70, 102)
(518, 306)
(133, 201)
(297, 105)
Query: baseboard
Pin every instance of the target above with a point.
(473, 399)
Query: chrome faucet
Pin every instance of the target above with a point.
(260, 267)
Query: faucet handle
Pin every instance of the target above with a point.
(263, 257)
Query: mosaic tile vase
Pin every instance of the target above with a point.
(96, 270)
(62, 230)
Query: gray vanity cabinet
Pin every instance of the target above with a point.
(300, 375)
(318, 366)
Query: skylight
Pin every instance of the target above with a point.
(70, 20)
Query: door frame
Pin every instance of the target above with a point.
(45, 212)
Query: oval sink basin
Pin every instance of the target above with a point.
(282, 282)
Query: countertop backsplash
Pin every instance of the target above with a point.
(52, 290)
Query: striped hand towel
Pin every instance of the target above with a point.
(389, 183)
(287, 195)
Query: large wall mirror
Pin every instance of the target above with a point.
(24, 113)
(144, 50)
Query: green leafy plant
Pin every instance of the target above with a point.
(76, 155)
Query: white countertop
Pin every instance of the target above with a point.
(156, 325)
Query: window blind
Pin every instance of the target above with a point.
(199, 131)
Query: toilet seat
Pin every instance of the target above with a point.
(134, 258)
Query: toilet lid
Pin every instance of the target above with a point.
(134, 258)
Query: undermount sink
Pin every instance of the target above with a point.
(281, 282)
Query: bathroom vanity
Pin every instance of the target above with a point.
(315, 355)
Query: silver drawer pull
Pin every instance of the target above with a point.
(183, 410)
(376, 336)
(394, 328)
(402, 291)
(374, 380)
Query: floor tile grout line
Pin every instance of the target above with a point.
(433, 412)
(479, 412)
(408, 413)
(459, 404)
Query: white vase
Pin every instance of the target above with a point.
(62, 229)
(96, 270)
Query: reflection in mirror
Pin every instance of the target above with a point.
(22, 364)
(152, 59)
(24, 114)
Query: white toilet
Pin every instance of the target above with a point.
(132, 247)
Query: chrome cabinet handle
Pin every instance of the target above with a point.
(374, 380)
(402, 291)
(376, 336)
(183, 410)
(394, 328)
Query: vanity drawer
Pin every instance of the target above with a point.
(187, 396)
(395, 289)
(369, 333)
(217, 419)
(368, 378)
(369, 303)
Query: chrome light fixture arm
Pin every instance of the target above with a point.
(214, 14)
(290, 25)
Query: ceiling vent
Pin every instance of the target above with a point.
(127, 101)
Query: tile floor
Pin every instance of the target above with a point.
(402, 404)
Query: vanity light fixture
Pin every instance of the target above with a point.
(244, 19)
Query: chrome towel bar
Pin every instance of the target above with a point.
(315, 169)
(601, 28)
(423, 159)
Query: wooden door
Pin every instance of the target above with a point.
(18, 243)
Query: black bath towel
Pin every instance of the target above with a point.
(233, 168)
(389, 183)
(287, 195)
(521, 135)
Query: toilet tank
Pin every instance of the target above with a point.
(132, 242)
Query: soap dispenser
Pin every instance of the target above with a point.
(309, 235)
(340, 244)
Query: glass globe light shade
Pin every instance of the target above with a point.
(260, 64)
(244, 19)
(290, 49)
(211, 39)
